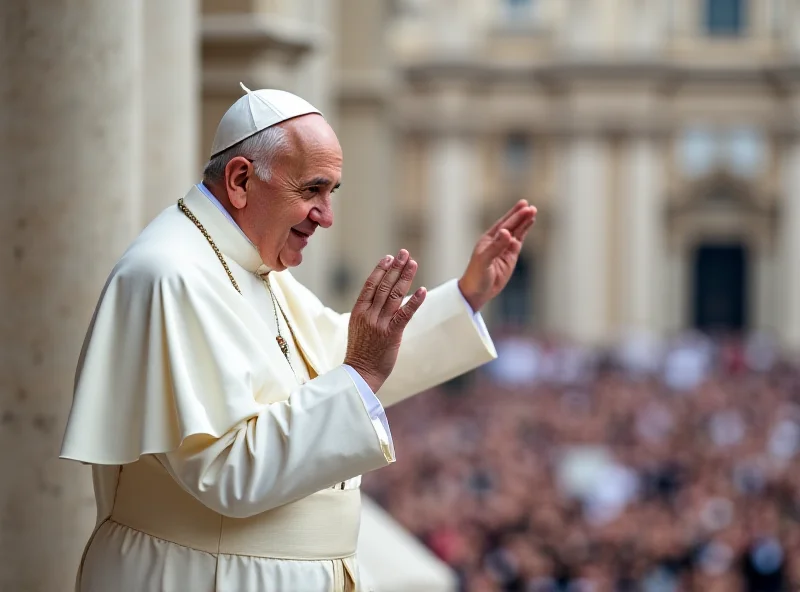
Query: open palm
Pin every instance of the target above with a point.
(495, 256)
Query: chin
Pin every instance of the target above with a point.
(290, 260)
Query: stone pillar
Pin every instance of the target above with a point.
(646, 24)
(366, 207)
(313, 81)
(584, 227)
(642, 258)
(171, 88)
(70, 121)
(791, 24)
(790, 244)
(451, 224)
(763, 288)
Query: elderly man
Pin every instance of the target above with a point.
(226, 413)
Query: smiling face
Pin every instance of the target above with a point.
(280, 215)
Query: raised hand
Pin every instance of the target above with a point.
(379, 318)
(495, 256)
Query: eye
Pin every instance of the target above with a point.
(313, 189)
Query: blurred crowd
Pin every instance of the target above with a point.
(652, 467)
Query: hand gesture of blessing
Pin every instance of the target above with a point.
(495, 256)
(379, 318)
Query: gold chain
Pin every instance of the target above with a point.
(275, 307)
(188, 212)
(282, 344)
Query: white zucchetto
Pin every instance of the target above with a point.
(255, 111)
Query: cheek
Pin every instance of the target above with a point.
(297, 214)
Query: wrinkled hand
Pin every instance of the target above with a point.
(495, 256)
(378, 320)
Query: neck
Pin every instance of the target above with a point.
(222, 197)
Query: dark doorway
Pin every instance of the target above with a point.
(720, 288)
(516, 301)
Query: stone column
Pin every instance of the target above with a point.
(366, 213)
(790, 244)
(451, 225)
(70, 139)
(642, 258)
(584, 227)
(763, 289)
(366, 206)
(313, 81)
(171, 89)
(646, 24)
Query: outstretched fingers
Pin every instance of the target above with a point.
(385, 290)
(402, 317)
(367, 294)
(505, 217)
(399, 290)
(522, 229)
(499, 243)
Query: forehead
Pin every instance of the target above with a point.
(314, 149)
(311, 132)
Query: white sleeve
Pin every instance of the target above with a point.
(322, 435)
(477, 319)
(376, 411)
(444, 339)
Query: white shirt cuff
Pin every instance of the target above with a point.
(476, 318)
(374, 408)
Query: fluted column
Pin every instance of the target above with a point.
(584, 227)
(171, 102)
(642, 258)
(451, 213)
(70, 139)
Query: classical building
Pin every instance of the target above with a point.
(658, 139)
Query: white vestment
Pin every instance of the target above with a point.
(217, 465)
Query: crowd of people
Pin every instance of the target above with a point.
(646, 468)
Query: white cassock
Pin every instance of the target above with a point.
(217, 465)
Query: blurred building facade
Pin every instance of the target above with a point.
(658, 139)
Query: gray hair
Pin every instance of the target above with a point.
(261, 148)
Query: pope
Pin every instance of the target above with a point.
(227, 414)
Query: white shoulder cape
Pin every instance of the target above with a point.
(173, 351)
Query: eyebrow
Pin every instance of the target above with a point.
(321, 182)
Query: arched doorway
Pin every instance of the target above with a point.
(720, 278)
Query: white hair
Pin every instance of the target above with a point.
(261, 148)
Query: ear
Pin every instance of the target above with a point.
(237, 172)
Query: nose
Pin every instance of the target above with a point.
(322, 215)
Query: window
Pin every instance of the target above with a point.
(517, 155)
(725, 17)
(516, 300)
(741, 150)
(516, 11)
(745, 151)
(698, 151)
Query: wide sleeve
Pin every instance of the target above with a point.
(444, 339)
(171, 360)
(323, 435)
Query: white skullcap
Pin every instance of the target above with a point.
(256, 111)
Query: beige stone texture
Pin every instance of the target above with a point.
(171, 88)
(70, 125)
